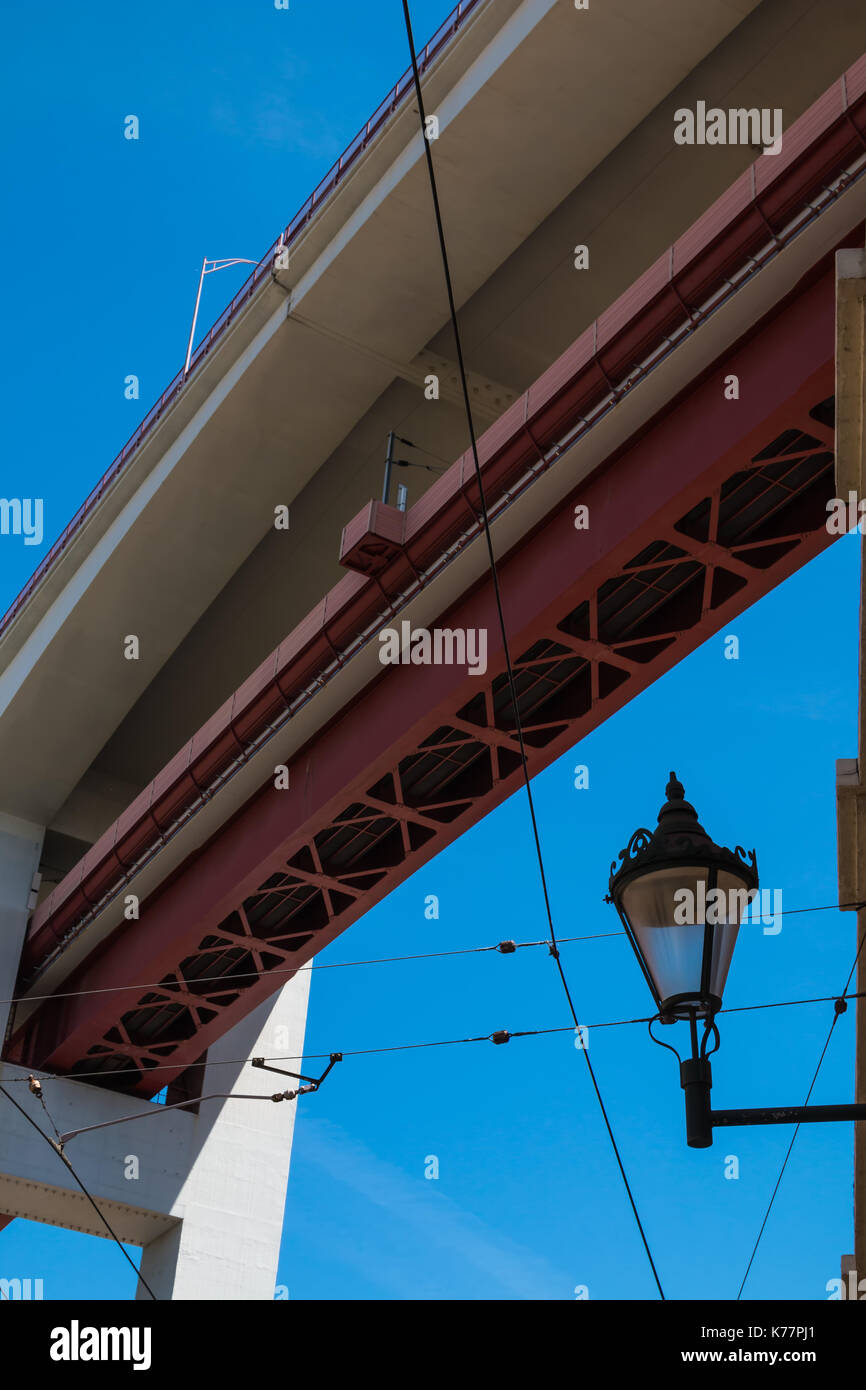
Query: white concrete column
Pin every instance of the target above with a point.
(133, 1170)
(20, 849)
(226, 1244)
(204, 1195)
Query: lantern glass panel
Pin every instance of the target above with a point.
(667, 910)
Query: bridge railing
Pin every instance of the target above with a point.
(302, 218)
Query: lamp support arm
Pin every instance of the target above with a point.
(701, 1119)
(791, 1115)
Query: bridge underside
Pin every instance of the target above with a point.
(713, 505)
(699, 499)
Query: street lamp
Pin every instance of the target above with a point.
(208, 267)
(681, 898)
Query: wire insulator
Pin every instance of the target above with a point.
(501, 1037)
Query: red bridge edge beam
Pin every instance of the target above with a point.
(663, 302)
(787, 368)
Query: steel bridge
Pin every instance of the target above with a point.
(697, 506)
(658, 445)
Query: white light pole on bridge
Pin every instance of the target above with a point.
(207, 268)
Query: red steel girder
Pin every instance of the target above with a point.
(822, 158)
(709, 509)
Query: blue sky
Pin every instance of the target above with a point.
(242, 111)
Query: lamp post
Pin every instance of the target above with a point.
(208, 268)
(391, 463)
(681, 898)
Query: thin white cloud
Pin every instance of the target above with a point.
(503, 1268)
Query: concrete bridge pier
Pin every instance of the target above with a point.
(203, 1193)
(227, 1243)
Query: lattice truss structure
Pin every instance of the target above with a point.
(694, 576)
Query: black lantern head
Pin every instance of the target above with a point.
(681, 898)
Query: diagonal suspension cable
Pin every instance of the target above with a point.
(554, 950)
(62, 1156)
(784, 1162)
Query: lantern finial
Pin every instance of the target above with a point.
(678, 816)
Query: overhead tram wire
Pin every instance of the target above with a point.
(498, 597)
(396, 960)
(62, 1156)
(442, 1042)
(836, 1016)
(299, 969)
